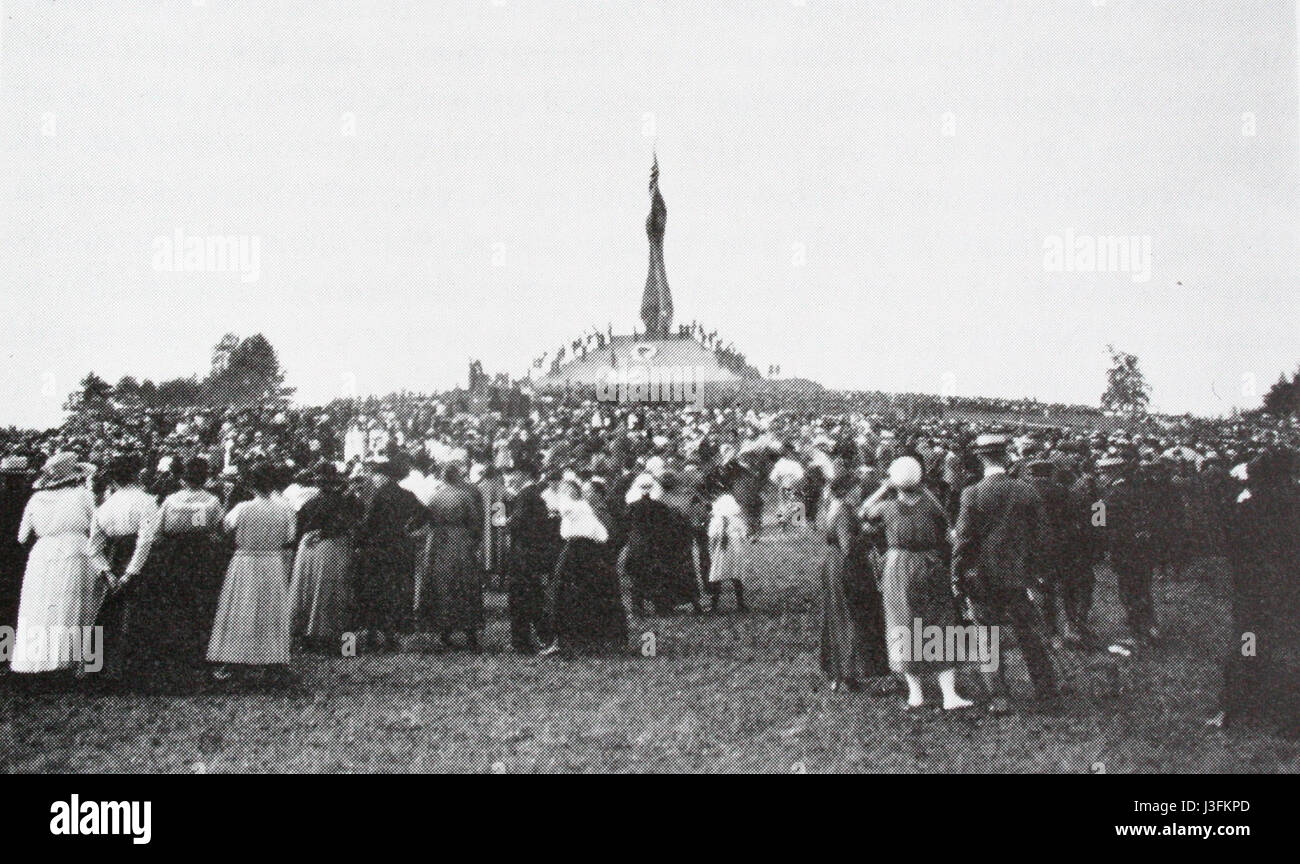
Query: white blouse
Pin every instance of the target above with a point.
(577, 519)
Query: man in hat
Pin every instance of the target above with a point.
(1082, 547)
(1051, 552)
(534, 546)
(1126, 523)
(994, 567)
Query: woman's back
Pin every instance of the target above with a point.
(910, 525)
(263, 525)
(52, 512)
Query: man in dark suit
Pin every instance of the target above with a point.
(534, 545)
(1056, 519)
(1083, 548)
(1128, 525)
(999, 531)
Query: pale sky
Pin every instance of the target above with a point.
(491, 202)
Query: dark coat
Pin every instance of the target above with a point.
(15, 489)
(386, 560)
(1127, 529)
(452, 593)
(658, 560)
(534, 533)
(1264, 559)
(1056, 518)
(999, 532)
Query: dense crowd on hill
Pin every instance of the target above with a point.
(217, 539)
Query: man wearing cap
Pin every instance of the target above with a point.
(999, 531)
(1126, 525)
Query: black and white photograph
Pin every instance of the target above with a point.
(651, 387)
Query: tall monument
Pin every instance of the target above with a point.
(657, 302)
(596, 362)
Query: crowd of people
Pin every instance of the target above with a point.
(217, 544)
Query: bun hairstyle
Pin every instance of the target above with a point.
(843, 484)
(196, 471)
(905, 473)
(124, 470)
(263, 477)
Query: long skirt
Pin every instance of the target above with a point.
(916, 593)
(253, 615)
(452, 596)
(852, 641)
(322, 587)
(589, 610)
(731, 557)
(385, 583)
(664, 575)
(174, 607)
(60, 595)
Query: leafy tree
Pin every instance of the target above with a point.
(251, 373)
(178, 393)
(126, 392)
(92, 394)
(222, 351)
(1283, 398)
(1127, 390)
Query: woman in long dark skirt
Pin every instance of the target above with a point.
(175, 607)
(852, 637)
(588, 605)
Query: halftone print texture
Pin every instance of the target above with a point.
(825, 532)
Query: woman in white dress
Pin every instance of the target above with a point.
(61, 592)
(254, 615)
(728, 549)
